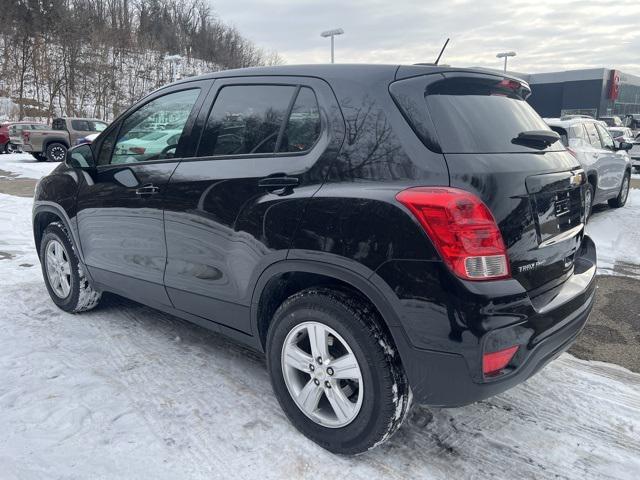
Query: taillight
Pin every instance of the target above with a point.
(137, 150)
(26, 135)
(463, 230)
(493, 363)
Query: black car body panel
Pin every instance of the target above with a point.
(213, 238)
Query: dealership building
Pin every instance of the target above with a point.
(596, 91)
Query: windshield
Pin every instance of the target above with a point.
(471, 114)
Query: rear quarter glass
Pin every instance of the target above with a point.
(469, 113)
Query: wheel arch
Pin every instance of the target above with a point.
(592, 178)
(287, 277)
(45, 213)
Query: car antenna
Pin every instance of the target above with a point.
(441, 52)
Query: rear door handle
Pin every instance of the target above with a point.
(275, 183)
(147, 190)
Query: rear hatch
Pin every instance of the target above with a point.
(498, 147)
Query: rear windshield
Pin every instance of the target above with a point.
(470, 114)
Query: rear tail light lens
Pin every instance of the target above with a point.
(463, 230)
(137, 150)
(493, 363)
(26, 135)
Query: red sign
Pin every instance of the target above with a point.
(614, 85)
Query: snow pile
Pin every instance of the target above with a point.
(25, 165)
(126, 392)
(616, 233)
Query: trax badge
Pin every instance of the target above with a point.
(530, 266)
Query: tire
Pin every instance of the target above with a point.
(79, 296)
(11, 148)
(621, 199)
(56, 152)
(588, 203)
(378, 401)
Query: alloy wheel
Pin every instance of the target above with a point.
(625, 190)
(58, 269)
(587, 204)
(322, 374)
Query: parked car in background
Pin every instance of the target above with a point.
(6, 145)
(383, 233)
(621, 134)
(625, 134)
(19, 131)
(606, 163)
(148, 146)
(613, 121)
(51, 145)
(633, 122)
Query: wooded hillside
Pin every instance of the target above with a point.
(96, 57)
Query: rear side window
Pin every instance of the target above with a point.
(88, 126)
(303, 125)
(254, 119)
(59, 124)
(246, 119)
(470, 114)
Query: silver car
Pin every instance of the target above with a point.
(605, 161)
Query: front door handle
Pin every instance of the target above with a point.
(147, 190)
(278, 183)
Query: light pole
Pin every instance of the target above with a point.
(332, 33)
(506, 55)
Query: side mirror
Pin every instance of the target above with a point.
(80, 156)
(626, 146)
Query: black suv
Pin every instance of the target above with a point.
(382, 233)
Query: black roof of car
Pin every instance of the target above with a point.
(343, 70)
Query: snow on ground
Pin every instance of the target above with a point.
(126, 392)
(616, 233)
(25, 165)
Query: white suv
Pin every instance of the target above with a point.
(625, 134)
(606, 163)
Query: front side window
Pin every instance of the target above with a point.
(607, 141)
(592, 133)
(153, 131)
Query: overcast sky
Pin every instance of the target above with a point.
(547, 35)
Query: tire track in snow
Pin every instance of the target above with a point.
(208, 409)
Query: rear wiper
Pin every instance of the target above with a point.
(539, 137)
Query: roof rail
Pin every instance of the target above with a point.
(572, 116)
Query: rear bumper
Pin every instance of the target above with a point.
(542, 327)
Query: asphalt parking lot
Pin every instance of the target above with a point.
(611, 335)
